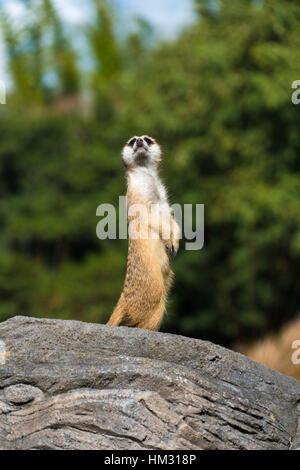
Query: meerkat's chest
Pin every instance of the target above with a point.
(147, 187)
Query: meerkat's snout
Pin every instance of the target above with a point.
(140, 143)
(140, 149)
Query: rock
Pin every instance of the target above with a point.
(74, 385)
(20, 394)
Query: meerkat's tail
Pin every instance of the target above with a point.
(116, 318)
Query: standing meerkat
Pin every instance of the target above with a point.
(153, 245)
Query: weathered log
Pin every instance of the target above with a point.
(74, 385)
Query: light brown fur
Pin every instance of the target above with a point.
(149, 275)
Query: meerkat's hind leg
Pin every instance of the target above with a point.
(153, 321)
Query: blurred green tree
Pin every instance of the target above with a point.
(104, 43)
(106, 53)
(36, 49)
(218, 98)
(62, 55)
(25, 63)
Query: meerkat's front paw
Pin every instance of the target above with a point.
(170, 235)
(175, 237)
(171, 250)
(172, 245)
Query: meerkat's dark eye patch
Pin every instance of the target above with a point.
(132, 142)
(149, 141)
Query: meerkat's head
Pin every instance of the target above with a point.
(142, 151)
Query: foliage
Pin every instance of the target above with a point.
(219, 100)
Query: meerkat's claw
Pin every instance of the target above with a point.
(171, 251)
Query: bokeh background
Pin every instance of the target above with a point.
(211, 80)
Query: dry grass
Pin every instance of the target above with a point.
(276, 350)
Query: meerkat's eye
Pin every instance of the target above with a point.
(149, 141)
(132, 142)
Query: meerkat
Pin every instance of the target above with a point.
(148, 275)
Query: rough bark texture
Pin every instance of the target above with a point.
(73, 385)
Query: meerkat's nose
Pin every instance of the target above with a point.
(140, 142)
